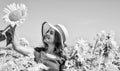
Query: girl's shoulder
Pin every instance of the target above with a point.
(37, 53)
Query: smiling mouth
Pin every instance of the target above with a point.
(46, 37)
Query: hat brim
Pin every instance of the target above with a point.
(45, 28)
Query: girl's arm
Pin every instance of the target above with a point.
(21, 49)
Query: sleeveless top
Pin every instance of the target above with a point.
(53, 64)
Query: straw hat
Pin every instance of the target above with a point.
(59, 28)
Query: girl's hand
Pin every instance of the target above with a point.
(49, 60)
(51, 56)
(47, 56)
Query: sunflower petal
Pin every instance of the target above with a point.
(11, 6)
(6, 10)
(14, 5)
(21, 22)
(23, 6)
(18, 7)
(12, 24)
(4, 18)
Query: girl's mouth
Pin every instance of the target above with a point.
(46, 37)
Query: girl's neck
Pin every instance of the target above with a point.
(50, 48)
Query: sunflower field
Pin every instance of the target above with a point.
(103, 54)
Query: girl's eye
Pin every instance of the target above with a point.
(51, 32)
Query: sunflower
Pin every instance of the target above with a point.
(15, 14)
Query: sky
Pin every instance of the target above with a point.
(82, 18)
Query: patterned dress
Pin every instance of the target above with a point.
(54, 64)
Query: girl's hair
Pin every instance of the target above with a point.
(58, 49)
(58, 45)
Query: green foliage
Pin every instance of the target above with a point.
(103, 55)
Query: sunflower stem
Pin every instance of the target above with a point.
(6, 28)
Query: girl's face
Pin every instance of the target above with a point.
(49, 36)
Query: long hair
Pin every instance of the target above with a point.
(58, 45)
(57, 49)
(57, 42)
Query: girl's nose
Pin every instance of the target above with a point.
(47, 34)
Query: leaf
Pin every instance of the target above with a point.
(2, 37)
(9, 36)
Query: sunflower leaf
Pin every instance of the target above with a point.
(9, 36)
(2, 37)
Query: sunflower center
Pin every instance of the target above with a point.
(15, 15)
